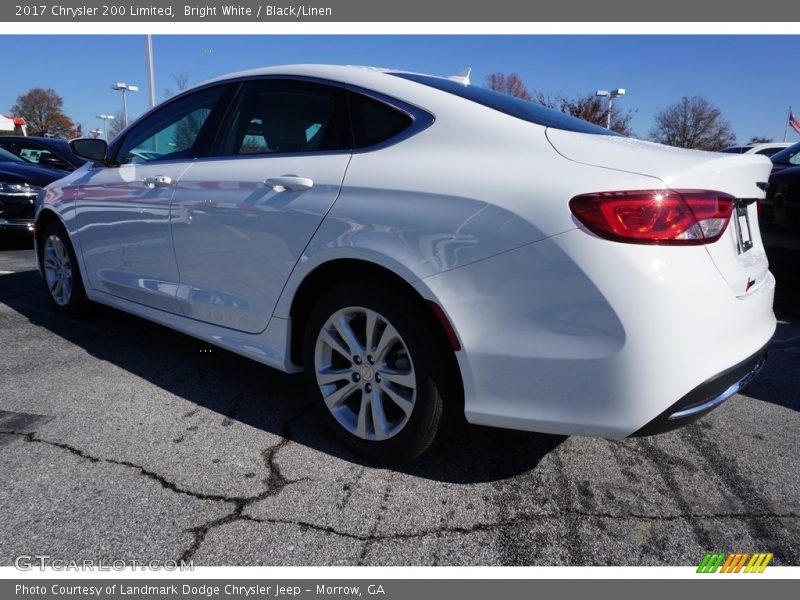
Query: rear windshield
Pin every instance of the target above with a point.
(735, 149)
(8, 156)
(515, 107)
(787, 156)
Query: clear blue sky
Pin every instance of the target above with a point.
(751, 78)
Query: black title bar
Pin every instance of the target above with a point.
(405, 11)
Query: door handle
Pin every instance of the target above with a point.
(289, 182)
(157, 181)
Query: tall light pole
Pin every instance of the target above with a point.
(611, 95)
(125, 88)
(106, 119)
(151, 81)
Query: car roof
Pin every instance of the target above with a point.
(35, 138)
(310, 69)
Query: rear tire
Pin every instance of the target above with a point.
(373, 369)
(61, 274)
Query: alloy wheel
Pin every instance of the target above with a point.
(57, 270)
(365, 373)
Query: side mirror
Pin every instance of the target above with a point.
(93, 149)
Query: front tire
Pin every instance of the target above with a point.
(371, 367)
(60, 268)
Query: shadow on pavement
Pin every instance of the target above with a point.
(240, 389)
(779, 381)
(12, 240)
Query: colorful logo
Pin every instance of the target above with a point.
(734, 563)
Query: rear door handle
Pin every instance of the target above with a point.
(157, 181)
(289, 182)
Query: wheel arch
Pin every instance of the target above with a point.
(45, 217)
(323, 277)
(330, 273)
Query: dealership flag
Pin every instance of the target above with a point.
(794, 122)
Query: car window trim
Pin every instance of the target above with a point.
(234, 102)
(421, 118)
(208, 132)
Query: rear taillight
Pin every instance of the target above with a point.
(669, 217)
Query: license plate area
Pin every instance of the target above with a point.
(741, 221)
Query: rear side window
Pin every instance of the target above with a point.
(515, 107)
(769, 151)
(373, 121)
(285, 115)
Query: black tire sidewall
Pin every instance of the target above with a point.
(394, 305)
(78, 300)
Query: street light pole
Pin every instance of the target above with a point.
(151, 83)
(106, 119)
(125, 88)
(611, 95)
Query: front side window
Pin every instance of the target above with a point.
(172, 132)
(284, 115)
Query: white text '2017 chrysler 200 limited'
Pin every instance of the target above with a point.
(419, 245)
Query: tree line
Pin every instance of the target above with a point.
(692, 122)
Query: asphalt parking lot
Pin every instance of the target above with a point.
(123, 440)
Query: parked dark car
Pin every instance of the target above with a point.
(779, 220)
(786, 158)
(46, 152)
(20, 181)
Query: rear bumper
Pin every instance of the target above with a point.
(579, 336)
(707, 396)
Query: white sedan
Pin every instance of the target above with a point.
(422, 247)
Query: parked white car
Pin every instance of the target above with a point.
(764, 148)
(418, 246)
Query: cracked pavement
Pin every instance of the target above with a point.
(123, 440)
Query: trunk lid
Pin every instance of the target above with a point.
(739, 254)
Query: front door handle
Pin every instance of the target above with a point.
(157, 181)
(289, 182)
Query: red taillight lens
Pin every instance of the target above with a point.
(670, 217)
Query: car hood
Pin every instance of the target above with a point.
(14, 172)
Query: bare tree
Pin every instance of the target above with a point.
(116, 125)
(760, 139)
(693, 122)
(508, 84)
(593, 109)
(586, 106)
(181, 81)
(43, 112)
